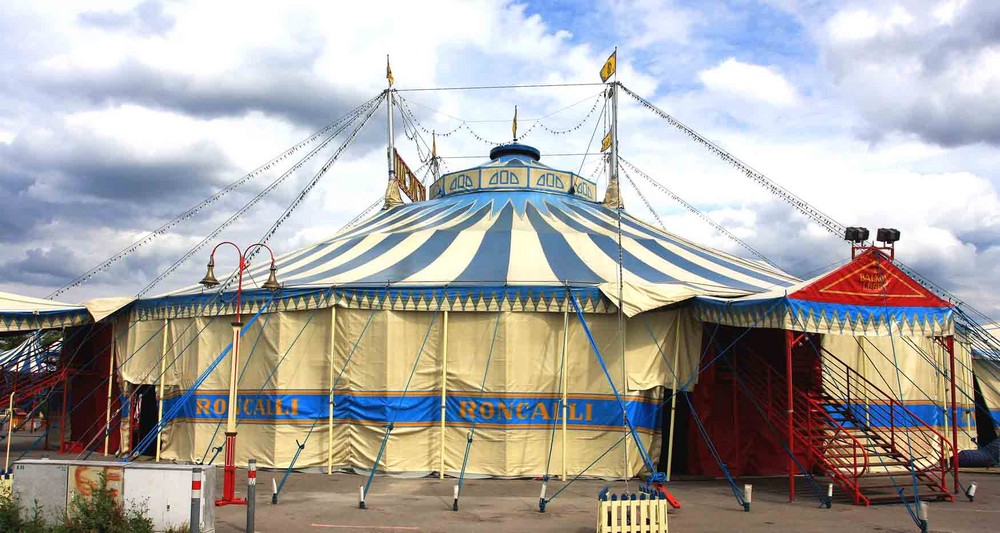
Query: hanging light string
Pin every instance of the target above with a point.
(361, 216)
(536, 123)
(718, 227)
(369, 107)
(801, 205)
(412, 133)
(309, 187)
(597, 124)
(488, 87)
(644, 200)
(188, 214)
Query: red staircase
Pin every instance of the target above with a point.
(870, 445)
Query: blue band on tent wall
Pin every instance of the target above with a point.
(594, 412)
(881, 414)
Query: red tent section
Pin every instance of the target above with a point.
(749, 443)
(869, 280)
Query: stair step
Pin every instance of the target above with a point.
(902, 485)
(924, 495)
(872, 457)
(876, 474)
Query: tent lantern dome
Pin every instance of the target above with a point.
(507, 151)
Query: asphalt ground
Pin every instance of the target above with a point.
(318, 503)
(313, 502)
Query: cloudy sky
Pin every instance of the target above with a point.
(117, 116)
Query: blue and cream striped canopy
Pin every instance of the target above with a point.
(522, 232)
(519, 232)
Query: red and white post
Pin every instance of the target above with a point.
(194, 524)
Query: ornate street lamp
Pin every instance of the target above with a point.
(229, 471)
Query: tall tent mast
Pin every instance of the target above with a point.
(392, 196)
(612, 196)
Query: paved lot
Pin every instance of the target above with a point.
(320, 503)
(316, 502)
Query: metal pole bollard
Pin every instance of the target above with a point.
(194, 524)
(251, 493)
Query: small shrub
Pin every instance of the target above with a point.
(101, 513)
(10, 514)
(11, 517)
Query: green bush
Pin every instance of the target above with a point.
(99, 513)
(11, 518)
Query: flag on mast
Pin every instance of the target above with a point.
(606, 143)
(388, 71)
(513, 126)
(610, 66)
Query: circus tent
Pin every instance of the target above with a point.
(25, 313)
(442, 315)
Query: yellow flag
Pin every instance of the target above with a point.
(606, 143)
(434, 145)
(608, 69)
(513, 127)
(388, 71)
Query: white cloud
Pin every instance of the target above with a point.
(751, 82)
(250, 79)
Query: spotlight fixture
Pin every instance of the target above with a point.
(887, 235)
(856, 234)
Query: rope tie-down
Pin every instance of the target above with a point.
(363, 490)
(332, 403)
(654, 483)
(564, 406)
(741, 498)
(472, 429)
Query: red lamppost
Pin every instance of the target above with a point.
(229, 472)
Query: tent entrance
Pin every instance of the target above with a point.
(676, 461)
(742, 401)
(986, 430)
(143, 416)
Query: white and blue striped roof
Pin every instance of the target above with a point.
(492, 235)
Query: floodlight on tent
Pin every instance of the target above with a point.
(856, 235)
(887, 235)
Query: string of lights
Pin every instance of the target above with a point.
(338, 125)
(802, 206)
(309, 187)
(489, 87)
(369, 108)
(536, 123)
(718, 227)
(361, 216)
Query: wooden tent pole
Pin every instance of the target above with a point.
(565, 392)
(107, 404)
(444, 392)
(330, 404)
(163, 376)
(673, 399)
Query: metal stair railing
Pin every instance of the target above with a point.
(889, 427)
(808, 418)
